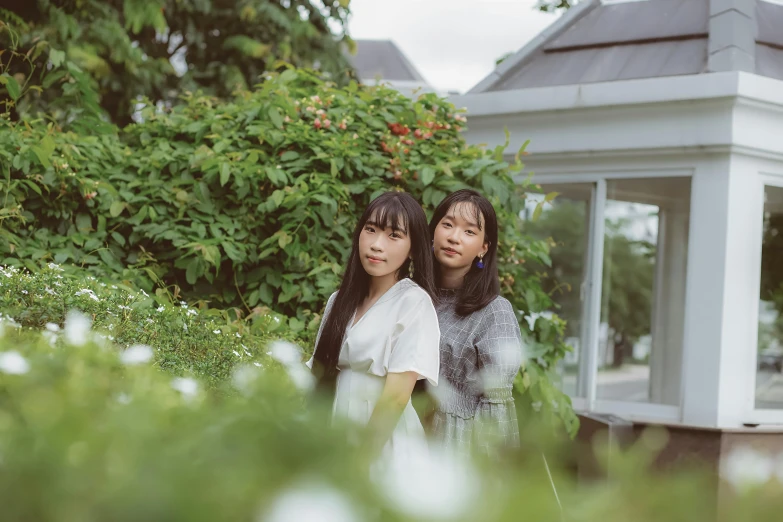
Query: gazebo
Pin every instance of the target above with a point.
(660, 125)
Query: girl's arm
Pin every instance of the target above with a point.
(394, 398)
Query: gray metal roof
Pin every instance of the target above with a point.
(382, 58)
(644, 39)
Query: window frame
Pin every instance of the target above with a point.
(593, 293)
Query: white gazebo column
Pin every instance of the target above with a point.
(668, 323)
(721, 294)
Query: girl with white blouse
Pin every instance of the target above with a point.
(379, 334)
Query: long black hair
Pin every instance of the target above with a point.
(481, 285)
(400, 212)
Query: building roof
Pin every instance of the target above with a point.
(602, 41)
(382, 58)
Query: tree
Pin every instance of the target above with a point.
(550, 6)
(159, 49)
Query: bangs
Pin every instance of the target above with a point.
(469, 211)
(388, 214)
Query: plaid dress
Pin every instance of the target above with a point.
(480, 355)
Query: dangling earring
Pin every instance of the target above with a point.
(410, 269)
(480, 263)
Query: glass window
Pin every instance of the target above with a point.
(769, 379)
(565, 223)
(643, 291)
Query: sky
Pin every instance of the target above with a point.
(453, 43)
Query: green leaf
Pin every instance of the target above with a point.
(14, 91)
(118, 238)
(225, 173)
(265, 293)
(427, 175)
(56, 57)
(288, 75)
(193, 271)
(537, 211)
(33, 186)
(274, 115)
(116, 208)
(42, 156)
(289, 155)
(277, 197)
(552, 195)
(83, 223)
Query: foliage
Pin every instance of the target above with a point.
(551, 6)
(88, 433)
(161, 48)
(187, 340)
(250, 203)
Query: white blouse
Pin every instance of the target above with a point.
(399, 333)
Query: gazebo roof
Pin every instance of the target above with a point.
(608, 41)
(382, 58)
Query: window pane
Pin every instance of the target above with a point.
(769, 381)
(643, 291)
(566, 222)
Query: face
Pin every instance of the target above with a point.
(458, 239)
(383, 250)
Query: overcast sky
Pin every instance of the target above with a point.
(453, 43)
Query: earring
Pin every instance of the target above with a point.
(410, 269)
(480, 263)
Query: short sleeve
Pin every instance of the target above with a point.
(416, 345)
(327, 309)
(499, 347)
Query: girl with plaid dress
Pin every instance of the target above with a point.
(480, 343)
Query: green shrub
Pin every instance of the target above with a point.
(186, 340)
(90, 434)
(251, 202)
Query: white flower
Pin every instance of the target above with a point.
(54, 267)
(88, 292)
(290, 356)
(745, 467)
(50, 337)
(187, 386)
(302, 377)
(285, 353)
(52, 327)
(25, 292)
(136, 354)
(258, 364)
(215, 331)
(13, 363)
(161, 308)
(185, 326)
(238, 336)
(192, 312)
(243, 378)
(434, 484)
(77, 328)
(143, 292)
(50, 291)
(236, 353)
(309, 502)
